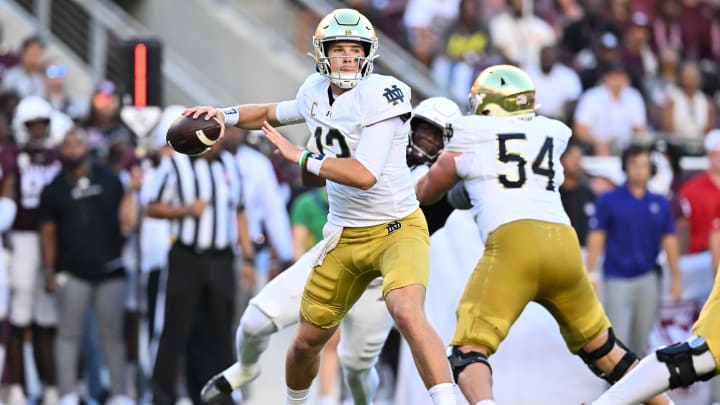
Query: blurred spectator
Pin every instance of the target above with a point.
(464, 50)
(558, 13)
(57, 95)
(658, 88)
(696, 24)
(577, 197)
(630, 226)
(203, 196)
(425, 21)
(556, 85)
(84, 214)
(699, 199)
(594, 64)
(27, 78)
(688, 112)
(620, 13)
(8, 208)
(609, 115)
(584, 34)
(31, 306)
(636, 53)
(666, 31)
(104, 127)
(519, 36)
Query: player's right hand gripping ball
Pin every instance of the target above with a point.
(193, 136)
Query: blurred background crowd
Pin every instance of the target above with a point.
(619, 72)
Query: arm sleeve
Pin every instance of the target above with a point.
(376, 141)
(287, 112)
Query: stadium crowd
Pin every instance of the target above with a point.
(618, 72)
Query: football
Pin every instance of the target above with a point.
(193, 136)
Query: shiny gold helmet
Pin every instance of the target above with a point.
(501, 91)
(345, 24)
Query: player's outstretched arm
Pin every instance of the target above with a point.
(441, 177)
(246, 116)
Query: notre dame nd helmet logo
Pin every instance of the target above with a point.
(394, 95)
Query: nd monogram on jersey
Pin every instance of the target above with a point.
(335, 131)
(511, 168)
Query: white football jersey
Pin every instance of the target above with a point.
(511, 168)
(335, 132)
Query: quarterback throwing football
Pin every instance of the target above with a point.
(375, 227)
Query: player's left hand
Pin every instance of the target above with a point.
(676, 289)
(284, 147)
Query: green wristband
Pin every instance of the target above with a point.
(303, 159)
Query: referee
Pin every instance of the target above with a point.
(203, 198)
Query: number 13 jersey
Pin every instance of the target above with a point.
(511, 168)
(335, 130)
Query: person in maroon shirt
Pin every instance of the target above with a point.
(7, 216)
(31, 307)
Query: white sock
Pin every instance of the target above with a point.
(363, 384)
(443, 394)
(296, 397)
(485, 402)
(647, 379)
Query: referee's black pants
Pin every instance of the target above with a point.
(199, 295)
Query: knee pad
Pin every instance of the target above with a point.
(620, 368)
(254, 323)
(687, 362)
(459, 360)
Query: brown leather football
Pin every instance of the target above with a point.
(193, 136)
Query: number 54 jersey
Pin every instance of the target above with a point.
(511, 168)
(336, 129)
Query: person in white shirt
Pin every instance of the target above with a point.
(558, 87)
(608, 116)
(519, 36)
(28, 77)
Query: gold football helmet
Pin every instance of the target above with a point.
(345, 24)
(502, 90)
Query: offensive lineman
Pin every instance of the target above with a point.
(367, 324)
(509, 161)
(375, 226)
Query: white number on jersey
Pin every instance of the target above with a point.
(545, 152)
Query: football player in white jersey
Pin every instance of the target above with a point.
(509, 160)
(375, 227)
(367, 324)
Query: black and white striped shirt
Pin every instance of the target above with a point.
(181, 180)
